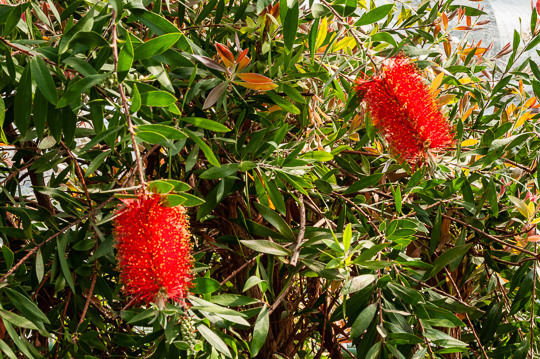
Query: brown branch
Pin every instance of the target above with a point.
(283, 294)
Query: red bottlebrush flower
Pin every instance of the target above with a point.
(405, 111)
(154, 250)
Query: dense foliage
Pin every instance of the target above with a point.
(311, 237)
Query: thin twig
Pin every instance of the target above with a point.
(78, 173)
(449, 276)
(19, 170)
(223, 282)
(39, 245)
(428, 345)
(487, 235)
(358, 41)
(443, 293)
(126, 108)
(88, 298)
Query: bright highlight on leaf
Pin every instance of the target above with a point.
(469, 142)
(256, 82)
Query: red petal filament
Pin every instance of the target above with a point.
(154, 249)
(404, 110)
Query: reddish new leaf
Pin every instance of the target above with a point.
(225, 54)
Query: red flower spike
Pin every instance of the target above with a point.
(404, 110)
(154, 250)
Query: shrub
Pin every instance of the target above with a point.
(312, 237)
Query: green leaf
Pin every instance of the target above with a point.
(178, 185)
(4, 348)
(204, 147)
(22, 345)
(125, 59)
(213, 339)
(2, 118)
(268, 247)
(206, 10)
(397, 199)
(233, 300)
(153, 138)
(156, 45)
(319, 10)
(102, 136)
(206, 124)
(384, 36)
(261, 4)
(534, 42)
(89, 39)
(313, 34)
(142, 316)
(64, 266)
(27, 307)
(75, 90)
(43, 79)
(320, 156)
(205, 285)
(408, 295)
(103, 249)
(168, 132)
(364, 319)
(347, 236)
(283, 103)
(161, 26)
(135, 100)
(260, 331)
(157, 99)
(8, 256)
(357, 283)
(251, 281)
(14, 17)
(364, 183)
(40, 266)
(17, 320)
(219, 172)
(435, 232)
(23, 101)
(275, 219)
(446, 258)
(374, 15)
(290, 24)
(374, 351)
(96, 162)
(184, 199)
(493, 199)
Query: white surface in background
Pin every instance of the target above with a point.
(507, 16)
